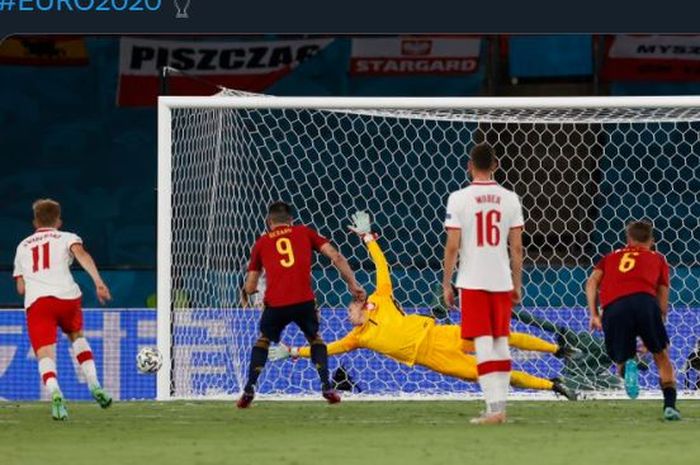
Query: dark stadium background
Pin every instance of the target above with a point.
(64, 133)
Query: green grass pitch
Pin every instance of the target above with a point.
(362, 433)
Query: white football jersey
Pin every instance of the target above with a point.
(43, 260)
(485, 213)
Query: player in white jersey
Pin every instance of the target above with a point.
(482, 220)
(52, 299)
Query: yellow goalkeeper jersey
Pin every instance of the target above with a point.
(388, 329)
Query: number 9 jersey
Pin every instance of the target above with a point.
(485, 213)
(631, 270)
(286, 254)
(43, 260)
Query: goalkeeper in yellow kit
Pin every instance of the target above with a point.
(381, 325)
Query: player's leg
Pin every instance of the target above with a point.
(272, 322)
(41, 326)
(476, 325)
(652, 330)
(501, 309)
(71, 322)
(525, 341)
(441, 351)
(621, 341)
(307, 318)
(83, 356)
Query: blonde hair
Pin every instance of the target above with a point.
(47, 212)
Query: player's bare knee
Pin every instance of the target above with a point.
(75, 335)
(45, 352)
(262, 342)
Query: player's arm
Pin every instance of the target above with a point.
(341, 264)
(452, 246)
(88, 264)
(347, 344)
(592, 286)
(19, 282)
(663, 288)
(362, 226)
(18, 275)
(515, 242)
(662, 296)
(250, 286)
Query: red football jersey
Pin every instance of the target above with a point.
(629, 271)
(285, 253)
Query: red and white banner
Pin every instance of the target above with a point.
(652, 58)
(251, 66)
(415, 55)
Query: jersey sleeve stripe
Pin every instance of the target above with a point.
(456, 228)
(520, 226)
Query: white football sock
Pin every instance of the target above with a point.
(83, 355)
(502, 353)
(489, 382)
(47, 370)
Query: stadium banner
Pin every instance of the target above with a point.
(43, 51)
(115, 336)
(208, 362)
(415, 55)
(652, 58)
(242, 65)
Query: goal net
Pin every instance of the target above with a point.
(583, 168)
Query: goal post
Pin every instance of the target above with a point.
(583, 167)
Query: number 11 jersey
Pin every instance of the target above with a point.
(43, 260)
(485, 213)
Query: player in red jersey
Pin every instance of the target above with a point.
(634, 289)
(52, 299)
(285, 252)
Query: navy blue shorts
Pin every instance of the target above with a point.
(304, 315)
(629, 317)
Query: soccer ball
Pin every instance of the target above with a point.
(149, 360)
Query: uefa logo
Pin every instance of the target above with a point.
(181, 6)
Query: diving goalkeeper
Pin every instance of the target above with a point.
(380, 325)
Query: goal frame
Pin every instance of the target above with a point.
(164, 188)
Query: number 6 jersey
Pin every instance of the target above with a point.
(485, 213)
(43, 260)
(630, 271)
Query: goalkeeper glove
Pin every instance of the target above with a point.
(362, 225)
(283, 352)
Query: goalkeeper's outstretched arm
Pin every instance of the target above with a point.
(363, 227)
(346, 344)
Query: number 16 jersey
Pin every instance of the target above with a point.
(485, 213)
(43, 260)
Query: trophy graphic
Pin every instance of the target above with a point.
(182, 6)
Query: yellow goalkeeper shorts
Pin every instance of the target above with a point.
(441, 351)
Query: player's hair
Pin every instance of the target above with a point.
(279, 212)
(482, 157)
(47, 212)
(640, 231)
